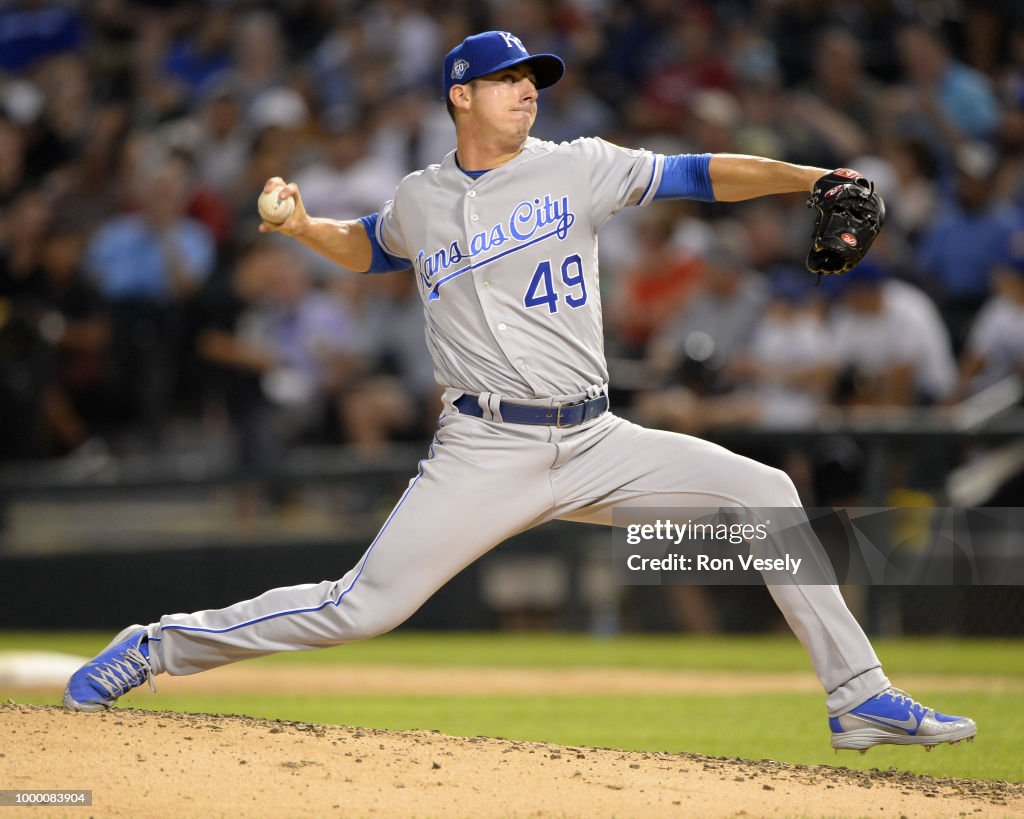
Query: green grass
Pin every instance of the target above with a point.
(717, 653)
(787, 727)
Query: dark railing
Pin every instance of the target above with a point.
(880, 432)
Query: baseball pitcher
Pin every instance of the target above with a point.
(501, 237)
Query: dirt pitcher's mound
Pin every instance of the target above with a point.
(140, 763)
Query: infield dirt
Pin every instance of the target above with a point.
(142, 763)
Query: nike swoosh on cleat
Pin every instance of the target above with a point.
(909, 724)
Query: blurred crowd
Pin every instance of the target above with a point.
(135, 137)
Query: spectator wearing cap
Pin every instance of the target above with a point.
(967, 238)
(995, 344)
(278, 107)
(890, 341)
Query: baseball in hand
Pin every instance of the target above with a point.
(273, 208)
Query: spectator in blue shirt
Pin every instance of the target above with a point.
(157, 254)
(148, 265)
(967, 239)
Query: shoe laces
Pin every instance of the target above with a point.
(902, 697)
(124, 672)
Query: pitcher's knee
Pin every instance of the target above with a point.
(361, 624)
(374, 628)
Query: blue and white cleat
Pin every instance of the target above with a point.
(120, 667)
(894, 718)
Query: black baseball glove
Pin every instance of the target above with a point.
(850, 216)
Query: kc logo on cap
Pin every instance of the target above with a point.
(512, 41)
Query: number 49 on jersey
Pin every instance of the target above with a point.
(542, 291)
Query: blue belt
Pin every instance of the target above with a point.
(562, 415)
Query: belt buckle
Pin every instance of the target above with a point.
(558, 416)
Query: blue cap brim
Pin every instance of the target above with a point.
(547, 69)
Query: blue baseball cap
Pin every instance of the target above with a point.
(867, 275)
(492, 51)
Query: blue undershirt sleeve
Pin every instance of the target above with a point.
(382, 262)
(686, 176)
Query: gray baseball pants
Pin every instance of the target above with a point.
(484, 481)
